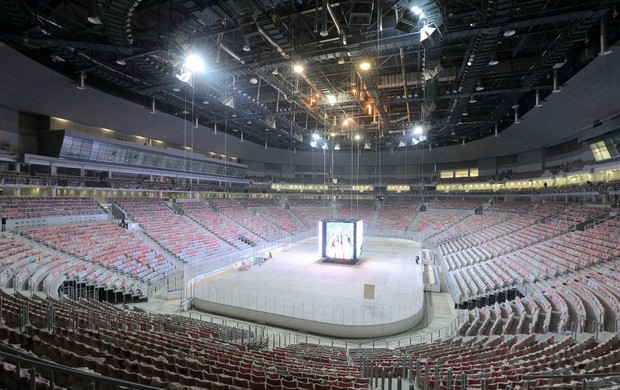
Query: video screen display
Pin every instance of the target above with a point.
(340, 239)
(359, 237)
(321, 239)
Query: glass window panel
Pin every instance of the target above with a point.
(446, 174)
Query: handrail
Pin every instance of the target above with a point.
(564, 376)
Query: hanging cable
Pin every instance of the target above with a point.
(191, 151)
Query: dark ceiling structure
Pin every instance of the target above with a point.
(299, 74)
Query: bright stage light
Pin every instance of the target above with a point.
(195, 63)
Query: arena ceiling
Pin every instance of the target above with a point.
(462, 70)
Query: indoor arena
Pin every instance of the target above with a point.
(310, 194)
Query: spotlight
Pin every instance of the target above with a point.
(418, 11)
(418, 130)
(365, 65)
(195, 63)
(298, 68)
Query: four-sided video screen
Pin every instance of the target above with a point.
(341, 239)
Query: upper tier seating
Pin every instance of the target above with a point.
(221, 225)
(430, 224)
(252, 220)
(396, 217)
(180, 236)
(33, 207)
(449, 204)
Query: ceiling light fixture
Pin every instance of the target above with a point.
(418, 11)
(556, 89)
(479, 87)
(195, 63)
(81, 84)
(253, 80)
(472, 99)
(418, 130)
(93, 15)
(516, 108)
(298, 68)
(337, 147)
(365, 65)
(509, 33)
(121, 62)
(246, 48)
(340, 61)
